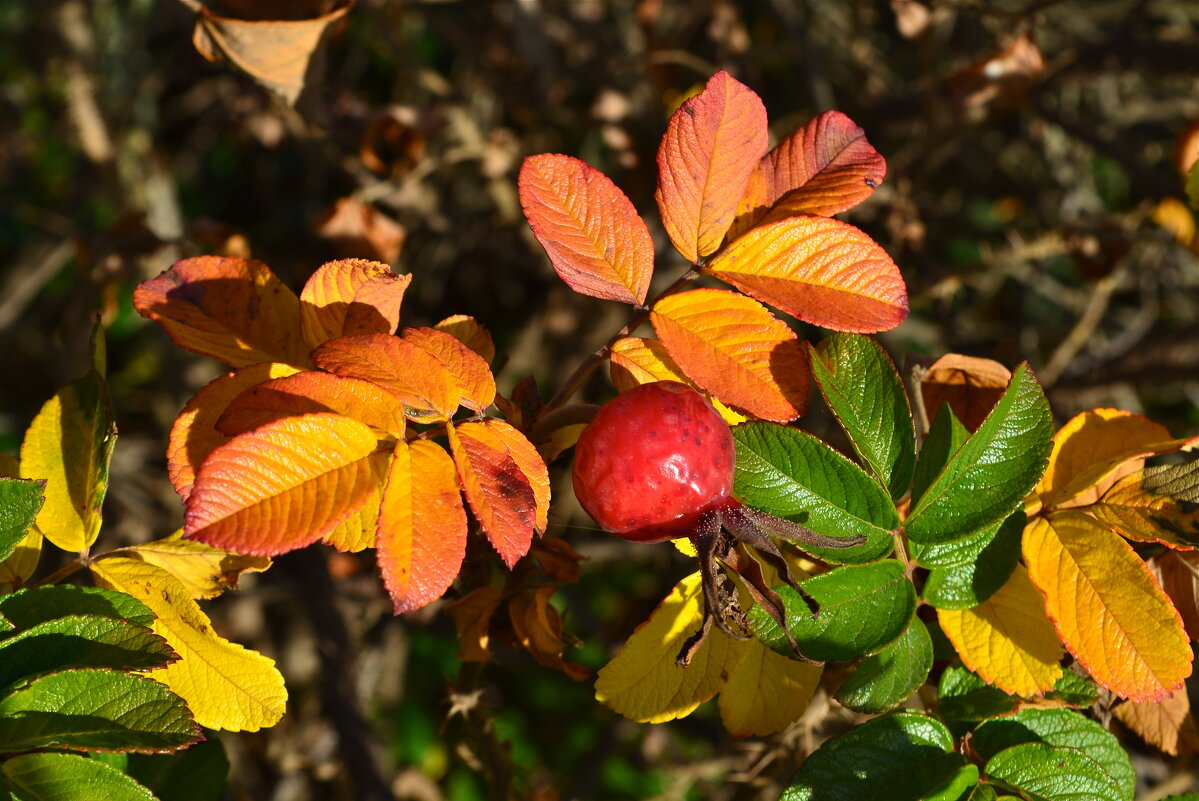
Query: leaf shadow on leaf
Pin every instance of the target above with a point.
(55, 651)
(794, 389)
(37, 729)
(366, 317)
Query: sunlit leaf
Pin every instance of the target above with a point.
(824, 167)
(469, 332)
(422, 525)
(766, 692)
(643, 682)
(310, 392)
(1054, 773)
(1007, 639)
(68, 777)
(499, 493)
(225, 685)
(1106, 606)
(885, 680)
(408, 371)
(476, 385)
(70, 444)
(284, 485)
(1156, 504)
(820, 270)
(637, 360)
(357, 532)
(530, 463)
(711, 147)
(351, 296)
(204, 571)
(234, 309)
(732, 347)
(589, 228)
(194, 434)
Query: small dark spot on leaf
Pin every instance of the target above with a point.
(870, 182)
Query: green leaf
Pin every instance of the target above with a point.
(957, 787)
(1043, 772)
(1075, 690)
(81, 641)
(964, 696)
(790, 473)
(863, 608)
(884, 681)
(33, 605)
(95, 709)
(969, 584)
(1059, 727)
(988, 477)
(20, 500)
(865, 393)
(195, 774)
(70, 444)
(68, 777)
(899, 757)
(946, 436)
(983, 792)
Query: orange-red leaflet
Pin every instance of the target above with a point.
(735, 349)
(476, 385)
(824, 167)
(593, 235)
(820, 270)
(1106, 606)
(194, 434)
(499, 493)
(351, 296)
(314, 391)
(711, 147)
(421, 537)
(284, 485)
(234, 309)
(429, 392)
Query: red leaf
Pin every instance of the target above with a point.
(404, 369)
(711, 147)
(499, 493)
(422, 525)
(595, 240)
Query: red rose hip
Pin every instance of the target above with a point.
(653, 461)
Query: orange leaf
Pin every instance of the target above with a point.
(822, 271)
(234, 309)
(1166, 724)
(1106, 606)
(422, 525)
(310, 392)
(476, 385)
(711, 147)
(469, 332)
(530, 463)
(194, 434)
(732, 347)
(538, 629)
(401, 367)
(351, 296)
(1157, 504)
(1007, 639)
(499, 493)
(824, 168)
(284, 485)
(971, 386)
(594, 237)
(636, 360)
(1093, 445)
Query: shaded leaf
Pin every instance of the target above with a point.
(33, 605)
(81, 641)
(1167, 725)
(469, 332)
(68, 777)
(20, 500)
(422, 525)
(429, 392)
(885, 680)
(965, 696)
(732, 347)
(1007, 639)
(1106, 606)
(499, 493)
(311, 392)
(351, 296)
(538, 628)
(594, 237)
(284, 485)
(225, 685)
(819, 270)
(472, 621)
(476, 385)
(196, 774)
(70, 444)
(531, 464)
(234, 309)
(711, 147)
(358, 229)
(636, 360)
(968, 584)
(945, 438)
(766, 692)
(204, 571)
(1155, 504)
(1178, 575)
(971, 385)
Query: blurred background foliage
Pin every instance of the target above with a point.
(1033, 203)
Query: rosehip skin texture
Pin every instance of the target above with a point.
(653, 461)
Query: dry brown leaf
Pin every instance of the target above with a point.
(1167, 725)
(360, 231)
(1178, 574)
(971, 387)
(1001, 80)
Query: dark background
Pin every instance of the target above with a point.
(1030, 148)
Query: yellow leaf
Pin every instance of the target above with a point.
(204, 571)
(21, 563)
(766, 692)
(357, 532)
(1157, 504)
(1173, 215)
(643, 683)
(469, 332)
(70, 444)
(1106, 606)
(636, 360)
(226, 686)
(1007, 639)
(350, 296)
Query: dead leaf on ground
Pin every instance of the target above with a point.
(999, 81)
